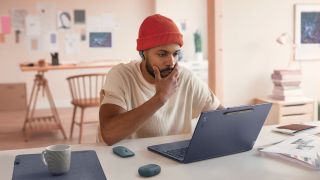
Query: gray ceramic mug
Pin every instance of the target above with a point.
(57, 158)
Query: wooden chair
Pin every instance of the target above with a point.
(85, 91)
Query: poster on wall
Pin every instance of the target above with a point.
(100, 40)
(47, 15)
(33, 27)
(19, 19)
(307, 31)
(72, 43)
(49, 41)
(18, 22)
(102, 23)
(5, 24)
(79, 16)
(64, 20)
(2, 40)
(33, 44)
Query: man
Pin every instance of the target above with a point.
(155, 96)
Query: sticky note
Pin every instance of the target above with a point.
(5, 24)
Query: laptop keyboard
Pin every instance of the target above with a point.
(178, 153)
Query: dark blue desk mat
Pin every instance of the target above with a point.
(85, 165)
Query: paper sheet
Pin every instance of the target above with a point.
(47, 15)
(34, 44)
(107, 22)
(102, 23)
(72, 43)
(79, 16)
(64, 20)
(19, 19)
(93, 24)
(2, 40)
(304, 145)
(48, 42)
(5, 24)
(33, 27)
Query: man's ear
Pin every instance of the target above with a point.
(141, 54)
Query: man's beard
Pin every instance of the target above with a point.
(163, 72)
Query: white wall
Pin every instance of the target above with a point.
(194, 13)
(127, 16)
(249, 30)
(250, 52)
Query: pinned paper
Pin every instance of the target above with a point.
(102, 23)
(47, 15)
(18, 19)
(83, 35)
(72, 43)
(64, 20)
(79, 16)
(51, 42)
(53, 38)
(93, 24)
(5, 24)
(2, 38)
(108, 23)
(33, 27)
(100, 39)
(34, 44)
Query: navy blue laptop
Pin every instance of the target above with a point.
(219, 133)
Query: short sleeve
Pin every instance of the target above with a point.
(114, 88)
(203, 98)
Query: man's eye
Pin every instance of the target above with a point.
(162, 54)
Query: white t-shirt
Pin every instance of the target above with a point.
(126, 87)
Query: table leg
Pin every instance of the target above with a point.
(45, 123)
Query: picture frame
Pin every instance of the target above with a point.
(100, 40)
(307, 32)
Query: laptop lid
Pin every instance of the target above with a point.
(224, 132)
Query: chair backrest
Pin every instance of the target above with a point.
(99, 138)
(85, 88)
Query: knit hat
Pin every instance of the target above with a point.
(157, 30)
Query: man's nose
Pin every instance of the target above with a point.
(171, 60)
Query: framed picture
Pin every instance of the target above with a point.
(307, 31)
(100, 39)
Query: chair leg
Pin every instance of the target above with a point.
(73, 120)
(81, 125)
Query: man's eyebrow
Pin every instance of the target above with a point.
(166, 51)
(162, 50)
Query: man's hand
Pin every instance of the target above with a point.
(167, 86)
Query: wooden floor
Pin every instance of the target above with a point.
(11, 136)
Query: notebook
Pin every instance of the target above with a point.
(84, 165)
(218, 133)
(291, 129)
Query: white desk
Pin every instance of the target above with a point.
(247, 165)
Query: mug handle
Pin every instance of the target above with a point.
(43, 157)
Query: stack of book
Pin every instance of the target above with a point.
(286, 84)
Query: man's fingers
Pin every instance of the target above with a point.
(156, 73)
(175, 71)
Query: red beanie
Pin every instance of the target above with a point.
(157, 30)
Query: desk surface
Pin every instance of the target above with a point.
(247, 165)
(80, 65)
